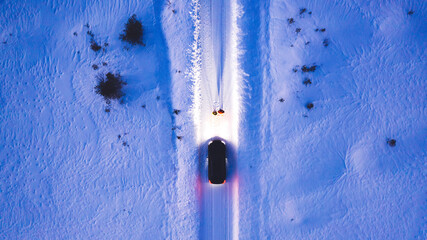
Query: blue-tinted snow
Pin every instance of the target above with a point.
(324, 173)
(65, 173)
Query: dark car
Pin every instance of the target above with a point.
(217, 162)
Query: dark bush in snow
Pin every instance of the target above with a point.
(298, 30)
(90, 33)
(133, 32)
(110, 86)
(410, 13)
(95, 67)
(307, 81)
(308, 69)
(391, 142)
(170, 6)
(326, 42)
(291, 20)
(295, 69)
(176, 111)
(94, 46)
(302, 10)
(309, 105)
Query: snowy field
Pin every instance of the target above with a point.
(312, 91)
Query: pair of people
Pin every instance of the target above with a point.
(220, 111)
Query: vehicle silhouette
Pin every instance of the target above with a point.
(217, 169)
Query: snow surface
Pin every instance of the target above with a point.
(324, 173)
(65, 173)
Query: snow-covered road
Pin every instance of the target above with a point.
(218, 86)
